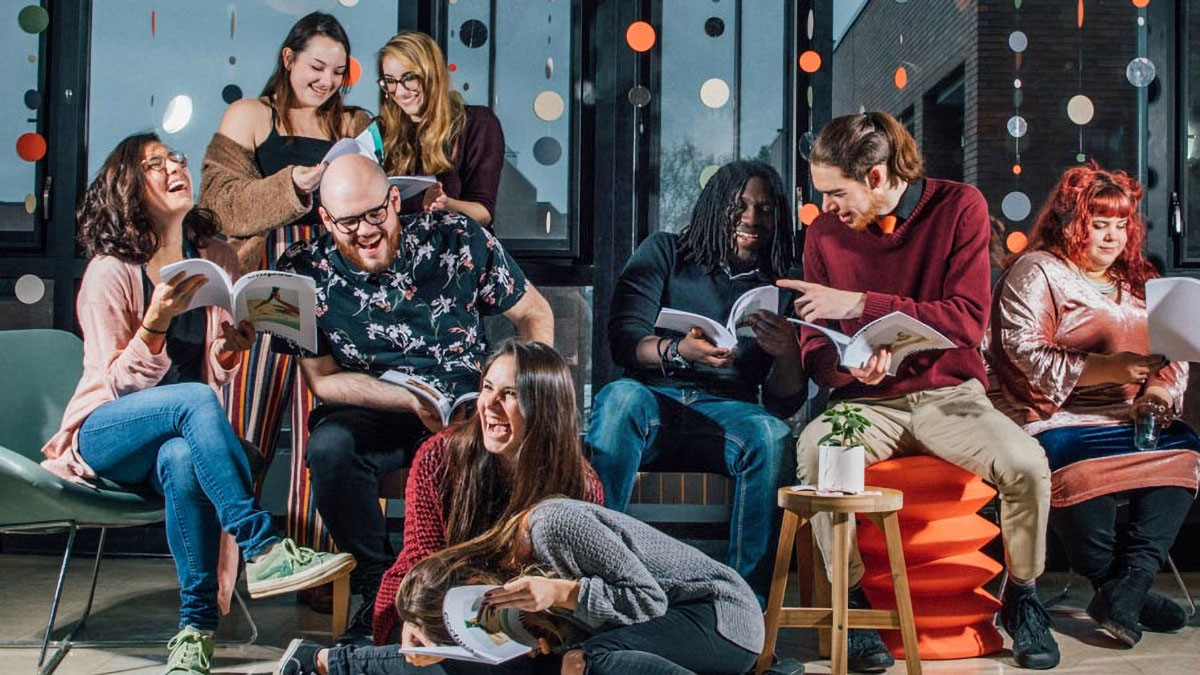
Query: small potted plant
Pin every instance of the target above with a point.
(843, 457)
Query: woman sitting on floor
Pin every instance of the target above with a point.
(145, 412)
(1069, 349)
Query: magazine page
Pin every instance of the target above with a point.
(839, 340)
(447, 652)
(217, 292)
(410, 186)
(496, 635)
(279, 303)
(900, 333)
(426, 390)
(363, 145)
(1172, 305)
(762, 298)
(682, 322)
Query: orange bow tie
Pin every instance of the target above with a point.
(886, 224)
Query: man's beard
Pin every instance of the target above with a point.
(350, 252)
(864, 219)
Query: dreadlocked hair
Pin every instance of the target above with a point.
(707, 239)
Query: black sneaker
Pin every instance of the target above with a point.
(1028, 623)
(359, 630)
(865, 651)
(300, 658)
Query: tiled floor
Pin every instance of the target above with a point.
(137, 598)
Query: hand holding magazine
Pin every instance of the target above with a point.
(280, 303)
(429, 392)
(898, 332)
(723, 335)
(495, 636)
(364, 144)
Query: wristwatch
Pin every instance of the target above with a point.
(674, 358)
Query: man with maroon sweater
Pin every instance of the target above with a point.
(888, 240)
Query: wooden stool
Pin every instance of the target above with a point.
(799, 507)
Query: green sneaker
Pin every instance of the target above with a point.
(287, 568)
(191, 652)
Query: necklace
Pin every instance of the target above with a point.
(1108, 287)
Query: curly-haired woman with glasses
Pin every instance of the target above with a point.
(146, 413)
(426, 129)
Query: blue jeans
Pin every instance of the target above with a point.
(1067, 445)
(634, 426)
(176, 440)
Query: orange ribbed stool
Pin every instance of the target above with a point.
(942, 534)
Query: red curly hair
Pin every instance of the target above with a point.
(1063, 226)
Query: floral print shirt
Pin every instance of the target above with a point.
(423, 314)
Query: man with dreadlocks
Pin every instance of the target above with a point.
(684, 404)
(889, 240)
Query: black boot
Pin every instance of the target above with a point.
(1161, 615)
(1118, 604)
(865, 651)
(1028, 623)
(359, 630)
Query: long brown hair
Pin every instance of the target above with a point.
(432, 141)
(480, 490)
(1064, 223)
(112, 214)
(855, 143)
(278, 90)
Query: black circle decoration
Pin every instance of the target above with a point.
(547, 150)
(233, 60)
(806, 144)
(466, 86)
(639, 96)
(715, 27)
(231, 93)
(33, 99)
(473, 33)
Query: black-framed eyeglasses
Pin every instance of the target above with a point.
(410, 81)
(159, 162)
(374, 216)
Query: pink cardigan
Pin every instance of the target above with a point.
(116, 362)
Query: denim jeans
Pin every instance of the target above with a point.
(177, 440)
(387, 660)
(635, 426)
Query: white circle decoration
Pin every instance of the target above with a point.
(714, 92)
(1015, 206)
(1017, 83)
(1017, 41)
(177, 114)
(1140, 72)
(549, 67)
(1080, 109)
(548, 106)
(348, 3)
(29, 289)
(1017, 126)
(706, 174)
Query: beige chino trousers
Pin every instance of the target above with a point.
(959, 425)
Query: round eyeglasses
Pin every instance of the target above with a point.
(159, 162)
(410, 81)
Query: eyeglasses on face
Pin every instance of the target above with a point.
(410, 81)
(159, 162)
(374, 216)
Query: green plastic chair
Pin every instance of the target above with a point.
(40, 371)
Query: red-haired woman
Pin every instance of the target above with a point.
(1069, 348)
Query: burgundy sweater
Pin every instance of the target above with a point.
(934, 267)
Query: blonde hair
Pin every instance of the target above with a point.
(433, 139)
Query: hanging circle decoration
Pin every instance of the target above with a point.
(1140, 72)
(1141, 4)
(714, 26)
(1017, 126)
(1016, 169)
(33, 99)
(33, 19)
(1016, 83)
(549, 67)
(231, 93)
(30, 202)
(640, 36)
(900, 78)
(348, 3)
(353, 73)
(1080, 109)
(1018, 41)
(178, 114)
(1016, 242)
(547, 150)
(473, 33)
(805, 145)
(639, 96)
(1081, 158)
(707, 173)
(809, 213)
(1016, 206)
(714, 93)
(810, 61)
(31, 146)
(29, 289)
(548, 106)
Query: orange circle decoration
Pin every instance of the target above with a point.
(353, 72)
(1140, 3)
(31, 147)
(1016, 169)
(640, 36)
(901, 77)
(1016, 242)
(810, 61)
(809, 213)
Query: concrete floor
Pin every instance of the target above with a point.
(137, 597)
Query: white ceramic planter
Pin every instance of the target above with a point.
(841, 469)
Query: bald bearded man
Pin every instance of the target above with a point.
(393, 292)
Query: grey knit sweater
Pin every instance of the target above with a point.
(629, 572)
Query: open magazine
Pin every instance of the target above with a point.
(429, 392)
(897, 331)
(279, 303)
(365, 144)
(723, 335)
(495, 636)
(1172, 305)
